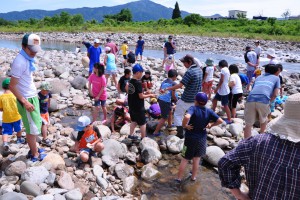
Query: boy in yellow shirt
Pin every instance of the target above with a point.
(11, 118)
(124, 49)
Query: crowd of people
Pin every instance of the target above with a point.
(266, 158)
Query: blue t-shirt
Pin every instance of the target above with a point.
(44, 101)
(140, 44)
(167, 97)
(200, 117)
(263, 88)
(94, 55)
(170, 49)
(244, 79)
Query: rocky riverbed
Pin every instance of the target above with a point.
(286, 51)
(123, 170)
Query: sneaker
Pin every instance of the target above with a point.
(21, 140)
(177, 181)
(172, 126)
(228, 122)
(133, 137)
(39, 158)
(157, 134)
(29, 155)
(47, 142)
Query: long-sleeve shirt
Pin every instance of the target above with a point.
(272, 167)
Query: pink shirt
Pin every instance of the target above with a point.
(97, 83)
(113, 47)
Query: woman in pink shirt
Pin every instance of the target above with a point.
(97, 89)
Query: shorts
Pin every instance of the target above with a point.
(168, 68)
(125, 57)
(147, 84)
(206, 87)
(233, 99)
(256, 110)
(193, 148)
(110, 72)
(223, 98)
(249, 75)
(85, 150)
(165, 108)
(32, 121)
(139, 51)
(138, 116)
(9, 128)
(45, 118)
(100, 102)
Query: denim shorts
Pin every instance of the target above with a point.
(223, 98)
(100, 102)
(85, 150)
(9, 128)
(111, 72)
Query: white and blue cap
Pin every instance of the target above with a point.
(82, 122)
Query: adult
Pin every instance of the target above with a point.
(258, 48)
(169, 47)
(94, 53)
(113, 47)
(271, 161)
(139, 48)
(192, 81)
(265, 90)
(22, 86)
(272, 56)
(252, 61)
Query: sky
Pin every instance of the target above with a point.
(269, 8)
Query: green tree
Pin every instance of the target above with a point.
(77, 20)
(241, 15)
(123, 16)
(271, 20)
(194, 19)
(64, 18)
(176, 11)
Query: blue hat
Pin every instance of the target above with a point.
(137, 68)
(83, 122)
(201, 97)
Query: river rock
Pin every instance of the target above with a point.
(123, 170)
(58, 86)
(48, 73)
(98, 170)
(105, 131)
(102, 182)
(60, 70)
(217, 131)
(125, 130)
(220, 142)
(213, 155)
(236, 129)
(9, 180)
(149, 172)
(130, 183)
(55, 191)
(36, 175)
(15, 168)
(13, 196)
(174, 144)
(148, 142)
(55, 160)
(59, 197)
(114, 148)
(65, 181)
(79, 82)
(79, 100)
(50, 179)
(110, 160)
(150, 154)
(53, 105)
(73, 195)
(151, 126)
(44, 197)
(30, 188)
(85, 62)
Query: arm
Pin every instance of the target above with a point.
(144, 96)
(105, 60)
(112, 123)
(177, 86)
(231, 84)
(275, 94)
(101, 91)
(88, 54)
(90, 89)
(216, 123)
(220, 83)
(173, 45)
(205, 76)
(119, 88)
(174, 96)
(185, 122)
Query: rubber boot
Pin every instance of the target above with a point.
(180, 132)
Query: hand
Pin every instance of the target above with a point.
(189, 127)
(242, 196)
(153, 95)
(96, 98)
(28, 106)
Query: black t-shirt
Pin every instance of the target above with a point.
(134, 89)
(95, 128)
(131, 57)
(170, 49)
(123, 80)
(145, 79)
(44, 101)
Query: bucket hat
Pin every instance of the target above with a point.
(209, 62)
(271, 52)
(45, 86)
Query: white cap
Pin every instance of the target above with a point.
(107, 49)
(271, 52)
(97, 41)
(82, 122)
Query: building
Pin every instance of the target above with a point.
(260, 18)
(234, 13)
(214, 17)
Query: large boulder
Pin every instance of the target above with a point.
(123, 170)
(150, 154)
(53, 105)
(174, 144)
(55, 160)
(30, 188)
(36, 175)
(79, 100)
(15, 168)
(79, 82)
(73, 195)
(130, 183)
(148, 142)
(149, 172)
(105, 131)
(213, 155)
(217, 131)
(102, 182)
(114, 148)
(13, 196)
(65, 181)
(85, 62)
(59, 85)
(220, 142)
(236, 129)
(59, 70)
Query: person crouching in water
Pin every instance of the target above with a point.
(195, 121)
(89, 139)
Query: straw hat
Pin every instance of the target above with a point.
(287, 126)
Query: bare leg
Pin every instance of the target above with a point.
(143, 130)
(170, 118)
(114, 77)
(159, 125)
(99, 147)
(104, 112)
(19, 134)
(263, 127)
(95, 113)
(247, 131)
(84, 157)
(44, 131)
(233, 112)
(31, 140)
(228, 113)
(182, 166)
(195, 168)
(5, 138)
(214, 104)
(132, 127)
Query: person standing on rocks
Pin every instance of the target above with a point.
(208, 77)
(139, 48)
(136, 102)
(272, 56)
(192, 80)
(111, 67)
(169, 47)
(236, 88)
(265, 90)
(258, 48)
(113, 47)
(271, 161)
(22, 86)
(94, 53)
(252, 61)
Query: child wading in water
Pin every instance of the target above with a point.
(11, 117)
(195, 121)
(97, 89)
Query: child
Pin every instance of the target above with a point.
(208, 74)
(97, 89)
(245, 81)
(139, 48)
(131, 58)
(136, 102)
(154, 109)
(110, 63)
(123, 82)
(195, 121)
(44, 99)
(237, 89)
(147, 80)
(168, 63)
(124, 49)
(89, 139)
(119, 118)
(165, 100)
(222, 91)
(11, 118)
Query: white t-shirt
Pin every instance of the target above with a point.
(238, 88)
(258, 50)
(224, 89)
(274, 61)
(210, 73)
(20, 70)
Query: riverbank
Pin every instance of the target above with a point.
(125, 170)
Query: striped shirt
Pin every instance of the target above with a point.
(192, 80)
(272, 167)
